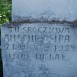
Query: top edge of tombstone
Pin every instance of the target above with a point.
(19, 22)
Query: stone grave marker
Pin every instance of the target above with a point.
(41, 41)
(48, 9)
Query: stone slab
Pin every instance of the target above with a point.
(44, 9)
(39, 50)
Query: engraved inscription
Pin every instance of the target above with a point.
(47, 43)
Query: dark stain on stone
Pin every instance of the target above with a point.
(44, 21)
(30, 21)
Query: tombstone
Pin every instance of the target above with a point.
(48, 9)
(41, 41)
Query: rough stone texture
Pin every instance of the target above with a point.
(39, 50)
(44, 9)
(42, 41)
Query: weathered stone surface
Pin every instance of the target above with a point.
(39, 50)
(44, 9)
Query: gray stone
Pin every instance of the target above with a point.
(39, 50)
(47, 9)
(41, 41)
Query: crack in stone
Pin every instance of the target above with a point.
(44, 21)
(30, 21)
